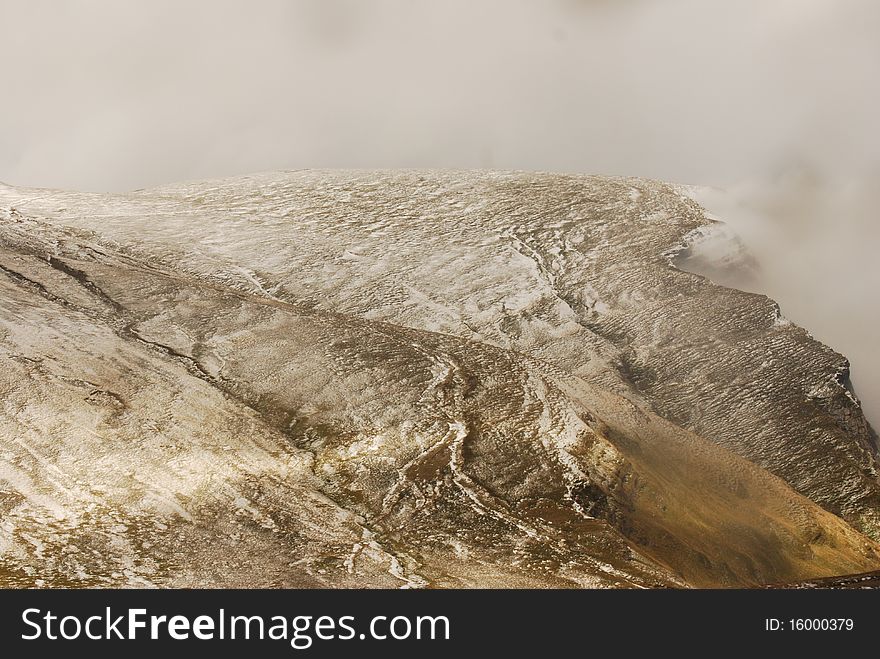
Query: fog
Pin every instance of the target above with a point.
(775, 100)
(814, 240)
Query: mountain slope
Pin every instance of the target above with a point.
(408, 378)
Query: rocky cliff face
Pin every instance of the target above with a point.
(408, 378)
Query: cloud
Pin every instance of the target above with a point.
(112, 95)
(814, 237)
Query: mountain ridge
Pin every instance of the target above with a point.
(178, 276)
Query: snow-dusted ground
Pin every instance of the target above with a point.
(408, 378)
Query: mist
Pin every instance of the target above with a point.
(773, 100)
(810, 244)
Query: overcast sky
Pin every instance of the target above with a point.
(775, 99)
(116, 94)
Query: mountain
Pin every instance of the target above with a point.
(405, 378)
